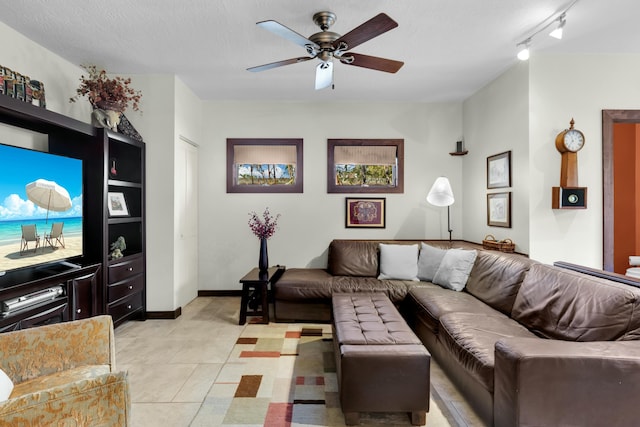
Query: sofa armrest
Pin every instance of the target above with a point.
(44, 350)
(100, 401)
(549, 382)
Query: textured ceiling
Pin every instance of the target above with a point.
(451, 48)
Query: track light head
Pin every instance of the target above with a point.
(523, 53)
(557, 33)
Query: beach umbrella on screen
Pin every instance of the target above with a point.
(49, 195)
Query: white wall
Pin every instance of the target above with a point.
(496, 119)
(156, 124)
(561, 88)
(312, 219)
(60, 77)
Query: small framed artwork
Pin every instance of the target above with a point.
(367, 212)
(117, 204)
(499, 209)
(499, 170)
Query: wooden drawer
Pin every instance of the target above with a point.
(126, 268)
(126, 288)
(53, 315)
(125, 307)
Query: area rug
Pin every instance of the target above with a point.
(284, 375)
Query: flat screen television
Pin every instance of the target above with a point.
(41, 219)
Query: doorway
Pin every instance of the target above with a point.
(186, 217)
(621, 188)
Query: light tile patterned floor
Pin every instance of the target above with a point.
(203, 369)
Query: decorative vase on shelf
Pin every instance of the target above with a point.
(108, 114)
(263, 261)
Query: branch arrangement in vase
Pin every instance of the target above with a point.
(107, 93)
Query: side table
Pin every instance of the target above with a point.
(255, 289)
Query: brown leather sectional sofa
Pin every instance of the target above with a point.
(528, 344)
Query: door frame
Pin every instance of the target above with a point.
(609, 119)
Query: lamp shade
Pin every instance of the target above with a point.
(441, 193)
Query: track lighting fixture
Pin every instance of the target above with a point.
(558, 20)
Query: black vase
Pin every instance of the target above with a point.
(263, 261)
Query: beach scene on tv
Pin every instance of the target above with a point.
(40, 207)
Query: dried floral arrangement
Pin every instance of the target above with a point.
(100, 90)
(264, 227)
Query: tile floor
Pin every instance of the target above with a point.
(173, 365)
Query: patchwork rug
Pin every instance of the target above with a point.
(284, 375)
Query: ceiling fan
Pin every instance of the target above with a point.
(327, 45)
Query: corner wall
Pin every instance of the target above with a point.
(496, 119)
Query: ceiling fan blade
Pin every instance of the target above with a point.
(377, 25)
(372, 62)
(324, 75)
(279, 64)
(287, 33)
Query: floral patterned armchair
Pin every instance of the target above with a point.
(64, 374)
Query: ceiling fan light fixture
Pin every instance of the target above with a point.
(324, 75)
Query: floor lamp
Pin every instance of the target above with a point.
(442, 195)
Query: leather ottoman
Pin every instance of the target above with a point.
(381, 364)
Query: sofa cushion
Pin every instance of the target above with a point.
(470, 339)
(59, 379)
(454, 269)
(561, 304)
(434, 302)
(303, 284)
(353, 258)
(398, 262)
(496, 277)
(316, 284)
(396, 290)
(429, 261)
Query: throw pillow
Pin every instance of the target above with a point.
(398, 262)
(6, 386)
(429, 261)
(455, 268)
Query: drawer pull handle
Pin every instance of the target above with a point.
(130, 287)
(79, 311)
(129, 306)
(130, 269)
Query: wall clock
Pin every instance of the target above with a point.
(569, 195)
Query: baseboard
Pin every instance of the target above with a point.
(165, 314)
(227, 293)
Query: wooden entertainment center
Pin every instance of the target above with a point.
(98, 284)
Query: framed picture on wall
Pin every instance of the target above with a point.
(367, 212)
(499, 170)
(499, 209)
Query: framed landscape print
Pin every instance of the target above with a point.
(499, 209)
(117, 204)
(368, 212)
(499, 170)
